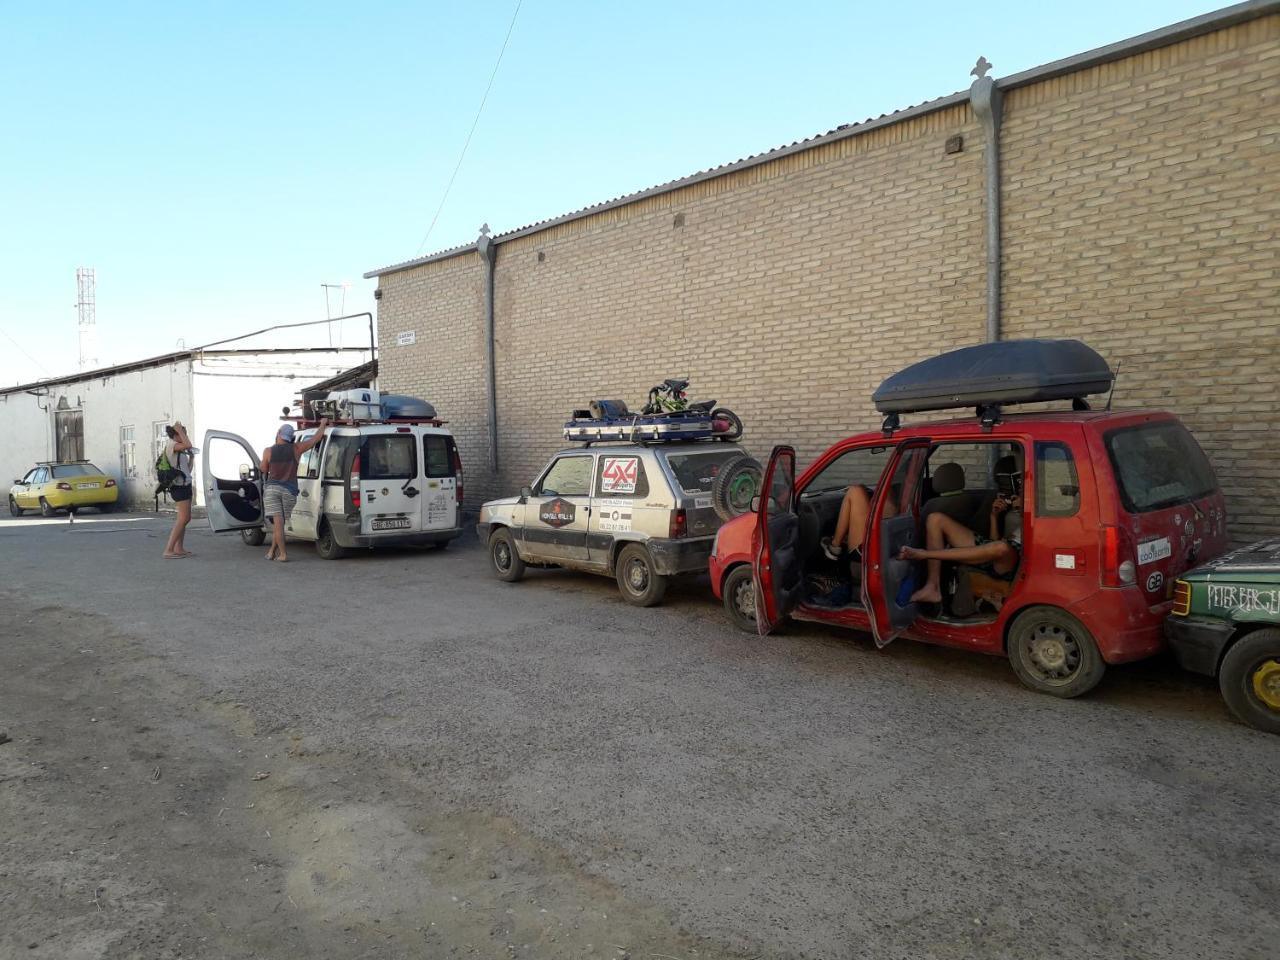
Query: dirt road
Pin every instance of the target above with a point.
(394, 756)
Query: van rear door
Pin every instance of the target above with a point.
(390, 482)
(1173, 512)
(442, 482)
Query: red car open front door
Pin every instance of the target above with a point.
(895, 510)
(775, 542)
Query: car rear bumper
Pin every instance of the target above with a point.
(1125, 626)
(680, 556)
(1197, 642)
(347, 533)
(83, 498)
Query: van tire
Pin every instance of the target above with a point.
(1053, 653)
(504, 558)
(738, 478)
(1250, 654)
(740, 598)
(254, 537)
(638, 582)
(46, 510)
(327, 545)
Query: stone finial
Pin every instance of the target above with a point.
(980, 68)
(484, 229)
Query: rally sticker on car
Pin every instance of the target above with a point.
(619, 474)
(557, 513)
(1153, 550)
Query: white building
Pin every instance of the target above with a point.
(115, 416)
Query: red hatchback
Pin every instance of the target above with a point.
(1113, 507)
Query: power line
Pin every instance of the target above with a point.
(474, 124)
(24, 353)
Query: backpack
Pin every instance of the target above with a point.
(166, 473)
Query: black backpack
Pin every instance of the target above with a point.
(166, 473)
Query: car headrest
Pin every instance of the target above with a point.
(948, 478)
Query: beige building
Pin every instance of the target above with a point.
(1136, 199)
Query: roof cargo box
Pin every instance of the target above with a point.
(398, 406)
(990, 374)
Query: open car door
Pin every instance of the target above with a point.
(775, 543)
(231, 482)
(887, 582)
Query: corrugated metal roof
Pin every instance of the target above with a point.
(1186, 29)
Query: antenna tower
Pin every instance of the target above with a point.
(86, 294)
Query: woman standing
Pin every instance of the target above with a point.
(280, 470)
(178, 451)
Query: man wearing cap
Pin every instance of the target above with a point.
(280, 470)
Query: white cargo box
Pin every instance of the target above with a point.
(356, 404)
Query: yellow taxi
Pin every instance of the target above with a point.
(51, 487)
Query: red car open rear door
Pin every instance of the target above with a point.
(775, 542)
(894, 524)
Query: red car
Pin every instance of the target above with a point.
(1114, 506)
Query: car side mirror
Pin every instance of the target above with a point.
(755, 503)
(245, 470)
(525, 493)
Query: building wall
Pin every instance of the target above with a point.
(136, 398)
(1139, 201)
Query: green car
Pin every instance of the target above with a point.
(1226, 623)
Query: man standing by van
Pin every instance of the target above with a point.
(280, 473)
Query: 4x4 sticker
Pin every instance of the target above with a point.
(619, 475)
(557, 513)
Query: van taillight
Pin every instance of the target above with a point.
(355, 482)
(679, 524)
(1181, 599)
(457, 474)
(1117, 568)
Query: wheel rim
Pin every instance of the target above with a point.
(1052, 653)
(744, 599)
(741, 490)
(1266, 684)
(637, 576)
(502, 556)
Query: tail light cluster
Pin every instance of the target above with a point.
(679, 523)
(111, 483)
(64, 486)
(1118, 568)
(1181, 599)
(354, 482)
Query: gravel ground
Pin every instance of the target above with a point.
(462, 767)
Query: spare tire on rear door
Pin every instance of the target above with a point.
(735, 486)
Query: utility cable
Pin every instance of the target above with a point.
(474, 124)
(25, 354)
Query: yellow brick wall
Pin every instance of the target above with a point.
(1139, 201)
(1141, 204)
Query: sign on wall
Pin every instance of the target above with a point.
(408, 338)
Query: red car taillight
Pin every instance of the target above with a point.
(1117, 569)
(1181, 599)
(679, 524)
(64, 486)
(111, 483)
(457, 473)
(355, 482)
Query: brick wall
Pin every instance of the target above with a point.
(1138, 199)
(1141, 204)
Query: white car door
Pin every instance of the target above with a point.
(440, 483)
(305, 519)
(231, 481)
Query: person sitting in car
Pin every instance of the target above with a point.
(948, 539)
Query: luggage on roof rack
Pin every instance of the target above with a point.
(991, 374)
(639, 428)
(398, 406)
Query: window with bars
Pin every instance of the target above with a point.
(128, 455)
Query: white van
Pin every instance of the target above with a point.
(364, 485)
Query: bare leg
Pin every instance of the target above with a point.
(277, 537)
(851, 523)
(173, 548)
(940, 530)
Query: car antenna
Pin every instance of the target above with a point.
(1114, 378)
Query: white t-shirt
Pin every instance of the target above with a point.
(180, 462)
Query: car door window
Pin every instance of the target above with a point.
(30, 477)
(41, 476)
(568, 477)
(309, 464)
(621, 477)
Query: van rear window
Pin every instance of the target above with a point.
(389, 457)
(1159, 465)
(696, 472)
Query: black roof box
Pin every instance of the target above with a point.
(990, 374)
(395, 405)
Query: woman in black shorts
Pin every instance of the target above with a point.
(178, 450)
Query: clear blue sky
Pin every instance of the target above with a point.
(216, 163)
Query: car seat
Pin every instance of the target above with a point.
(951, 498)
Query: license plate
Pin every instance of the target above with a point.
(392, 523)
(88, 486)
(1153, 550)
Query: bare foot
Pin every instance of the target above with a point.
(282, 559)
(271, 554)
(172, 556)
(187, 553)
(927, 594)
(911, 553)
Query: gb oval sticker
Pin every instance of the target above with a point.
(1155, 581)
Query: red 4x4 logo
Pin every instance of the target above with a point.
(619, 475)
